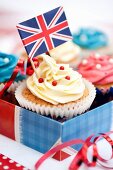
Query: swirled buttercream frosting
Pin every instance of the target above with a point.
(98, 69)
(55, 83)
(66, 52)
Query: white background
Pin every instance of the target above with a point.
(79, 12)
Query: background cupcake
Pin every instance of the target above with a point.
(67, 53)
(98, 69)
(91, 39)
(58, 90)
(7, 64)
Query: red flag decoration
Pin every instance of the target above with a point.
(44, 32)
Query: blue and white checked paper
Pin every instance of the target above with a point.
(41, 133)
(92, 122)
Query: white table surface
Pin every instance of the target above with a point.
(28, 157)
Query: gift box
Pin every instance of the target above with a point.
(42, 133)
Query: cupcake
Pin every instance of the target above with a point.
(57, 91)
(98, 69)
(90, 40)
(7, 64)
(67, 53)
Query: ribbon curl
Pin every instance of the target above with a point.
(81, 156)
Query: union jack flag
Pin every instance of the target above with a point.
(44, 32)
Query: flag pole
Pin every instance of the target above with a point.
(33, 66)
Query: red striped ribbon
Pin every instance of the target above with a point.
(81, 156)
(9, 82)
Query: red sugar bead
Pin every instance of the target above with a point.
(40, 80)
(30, 72)
(36, 64)
(61, 67)
(54, 83)
(67, 77)
(35, 59)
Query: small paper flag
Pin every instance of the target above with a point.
(44, 32)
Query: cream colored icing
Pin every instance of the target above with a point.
(65, 52)
(65, 91)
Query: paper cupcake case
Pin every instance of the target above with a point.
(68, 110)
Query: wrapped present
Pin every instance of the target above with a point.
(42, 133)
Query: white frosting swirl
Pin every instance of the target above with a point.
(65, 91)
(66, 52)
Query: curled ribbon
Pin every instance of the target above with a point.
(81, 156)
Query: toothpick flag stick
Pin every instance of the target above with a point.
(33, 66)
(44, 32)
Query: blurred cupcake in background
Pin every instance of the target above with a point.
(7, 64)
(98, 69)
(67, 53)
(91, 39)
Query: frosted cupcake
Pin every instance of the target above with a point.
(58, 90)
(90, 38)
(7, 64)
(68, 53)
(98, 69)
